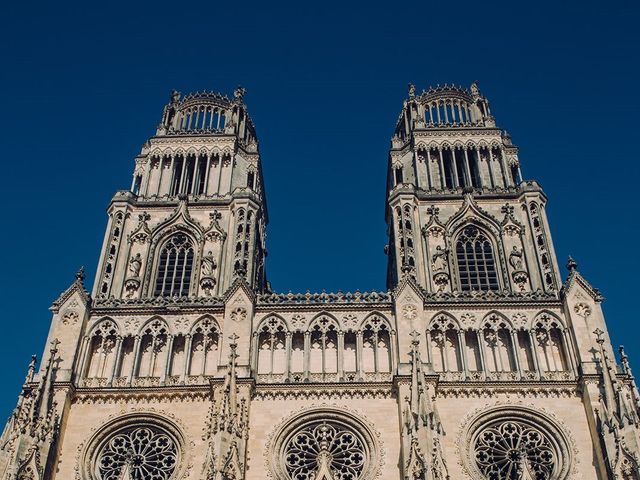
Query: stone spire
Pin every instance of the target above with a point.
(423, 428)
(618, 415)
(227, 428)
(31, 431)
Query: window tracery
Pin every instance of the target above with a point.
(325, 450)
(476, 260)
(175, 266)
(505, 448)
(143, 452)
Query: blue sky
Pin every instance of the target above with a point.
(83, 87)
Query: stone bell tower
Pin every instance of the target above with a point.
(200, 174)
(449, 163)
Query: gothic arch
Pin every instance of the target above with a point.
(494, 320)
(442, 317)
(547, 317)
(326, 319)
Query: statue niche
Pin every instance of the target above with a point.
(518, 272)
(208, 268)
(132, 282)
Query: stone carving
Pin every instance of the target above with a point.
(298, 320)
(439, 259)
(468, 319)
(131, 325)
(350, 320)
(409, 312)
(208, 264)
(70, 317)
(239, 314)
(520, 320)
(582, 309)
(135, 264)
(515, 258)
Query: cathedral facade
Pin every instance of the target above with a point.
(477, 362)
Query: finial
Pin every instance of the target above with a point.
(174, 96)
(54, 346)
(239, 92)
(572, 265)
(412, 90)
(474, 88)
(599, 336)
(234, 341)
(31, 370)
(415, 338)
(80, 274)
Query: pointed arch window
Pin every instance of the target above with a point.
(476, 261)
(175, 265)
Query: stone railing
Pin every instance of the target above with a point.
(324, 298)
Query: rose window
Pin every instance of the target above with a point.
(325, 450)
(138, 453)
(506, 449)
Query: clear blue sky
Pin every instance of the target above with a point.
(84, 85)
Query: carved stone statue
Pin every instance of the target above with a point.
(439, 259)
(208, 265)
(135, 264)
(515, 258)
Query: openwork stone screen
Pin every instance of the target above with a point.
(147, 452)
(504, 449)
(325, 447)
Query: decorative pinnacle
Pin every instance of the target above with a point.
(239, 92)
(572, 265)
(80, 274)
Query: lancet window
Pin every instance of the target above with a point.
(175, 266)
(272, 355)
(102, 350)
(376, 346)
(154, 351)
(323, 352)
(189, 173)
(476, 260)
(204, 349)
(550, 342)
(404, 219)
(446, 348)
(497, 338)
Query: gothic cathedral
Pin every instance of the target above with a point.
(477, 362)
